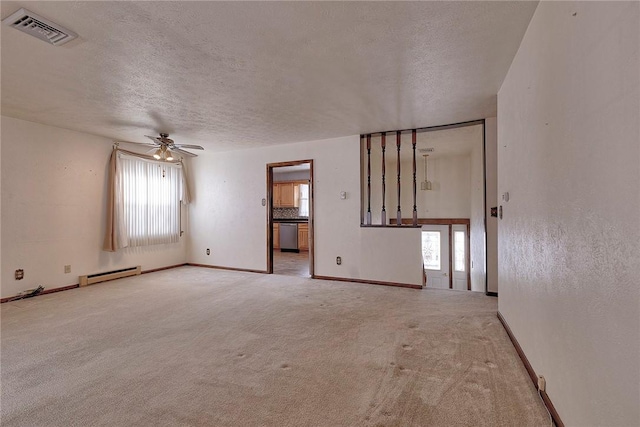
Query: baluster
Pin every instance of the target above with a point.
(383, 144)
(415, 210)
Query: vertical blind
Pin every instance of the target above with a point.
(149, 194)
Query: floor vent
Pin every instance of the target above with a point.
(109, 275)
(39, 27)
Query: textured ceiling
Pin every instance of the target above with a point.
(242, 74)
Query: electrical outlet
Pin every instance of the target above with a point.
(542, 383)
(208, 251)
(67, 269)
(339, 260)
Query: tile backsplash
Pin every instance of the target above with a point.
(286, 213)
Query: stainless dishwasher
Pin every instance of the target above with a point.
(288, 237)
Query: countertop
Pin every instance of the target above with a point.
(292, 220)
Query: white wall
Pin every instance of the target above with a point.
(569, 155)
(477, 250)
(491, 164)
(231, 221)
(54, 206)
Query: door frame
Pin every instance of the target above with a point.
(449, 222)
(269, 205)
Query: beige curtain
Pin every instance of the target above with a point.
(111, 235)
(115, 234)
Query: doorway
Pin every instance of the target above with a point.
(290, 223)
(445, 254)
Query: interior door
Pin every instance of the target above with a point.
(460, 253)
(435, 255)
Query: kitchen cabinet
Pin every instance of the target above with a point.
(276, 235)
(286, 195)
(303, 237)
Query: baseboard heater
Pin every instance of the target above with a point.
(109, 275)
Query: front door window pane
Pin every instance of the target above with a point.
(431, 250)
(459, 255)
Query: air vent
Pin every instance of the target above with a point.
(425, 150)
(39, 27)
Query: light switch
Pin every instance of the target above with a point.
(343, 195)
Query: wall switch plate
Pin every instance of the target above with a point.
(339, 260)
(19, 274)
(67, 269)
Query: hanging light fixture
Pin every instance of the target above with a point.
(169, 156)
(158, 154)
(426, 184)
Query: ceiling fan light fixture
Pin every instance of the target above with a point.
(169, 156)
(158, 154)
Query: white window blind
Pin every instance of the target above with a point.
(150, 194)
(304, 200)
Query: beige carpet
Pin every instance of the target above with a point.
(200, 347)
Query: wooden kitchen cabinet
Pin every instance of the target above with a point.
(276, 235)
(276, 195)
(303, 237)
(286, 195)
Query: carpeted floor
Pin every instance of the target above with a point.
(200, 347)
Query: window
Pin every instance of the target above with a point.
(458, 254)
(304, 200)
(431, 250)
(150, 194)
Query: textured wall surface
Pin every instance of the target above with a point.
(477, 249)
(491, 156)
(569, 155)
(54, 185)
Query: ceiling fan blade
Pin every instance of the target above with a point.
(155, 139)
(193, 147)
(186, 153)
(136, 143)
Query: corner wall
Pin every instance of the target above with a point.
(54, 185)
(491, 182)
(569, 251)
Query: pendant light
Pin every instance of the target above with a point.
(426, 184)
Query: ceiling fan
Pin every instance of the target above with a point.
(164, 148)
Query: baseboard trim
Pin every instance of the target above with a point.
(153, 270)
(370, 282)
(77, 285)
(44, 292)
(532, 374)
(219, 267)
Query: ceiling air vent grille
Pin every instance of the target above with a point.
(39, 27)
